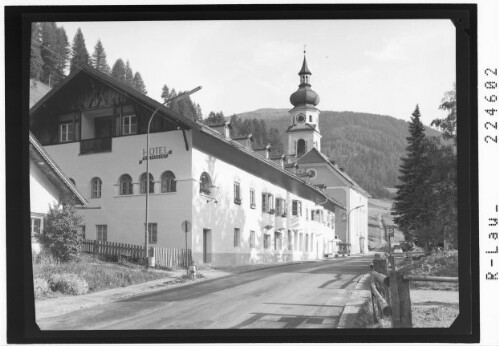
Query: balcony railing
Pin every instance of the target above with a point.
(96, 145)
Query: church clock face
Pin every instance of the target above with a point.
(300, 118)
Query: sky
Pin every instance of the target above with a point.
(376, 66)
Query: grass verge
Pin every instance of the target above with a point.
(98, 274)
(434, 315)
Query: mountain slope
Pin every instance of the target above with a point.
(368, 146)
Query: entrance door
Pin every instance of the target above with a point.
(206, 245)
(103, 127)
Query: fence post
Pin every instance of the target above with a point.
(391, 259)
(395, 299)
(405, 302)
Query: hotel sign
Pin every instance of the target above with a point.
(155, 153)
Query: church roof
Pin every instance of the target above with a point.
(308, 127)
(304, 67)
(304, 96)
(315, 156)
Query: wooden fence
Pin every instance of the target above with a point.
(172, 257)
(163, 257)
(390, 291)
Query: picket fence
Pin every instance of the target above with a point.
(164, 257)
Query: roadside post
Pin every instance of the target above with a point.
(390, 235)
(186, 228)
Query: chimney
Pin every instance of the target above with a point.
(245, 140)
(223, 128)
(265, 151)
(281, 160)
(292, 167)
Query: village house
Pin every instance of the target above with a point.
(244, 205)
(49, 185)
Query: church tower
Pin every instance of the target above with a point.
(303, 133)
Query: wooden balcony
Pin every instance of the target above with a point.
(96, 145)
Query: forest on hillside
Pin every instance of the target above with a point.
(367, 146)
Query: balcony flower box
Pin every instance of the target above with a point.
(237, 201)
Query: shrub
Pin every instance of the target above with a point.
(41, 287)
(62, 233)
(68, 284)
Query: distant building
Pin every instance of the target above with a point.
(245, 205)
(48, 185)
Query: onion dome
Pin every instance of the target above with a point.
(304, 95)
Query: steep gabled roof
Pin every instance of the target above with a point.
(54, 173)
(315, 156)
(122, 88)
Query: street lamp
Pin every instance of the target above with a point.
(348, 222)
(180, 96)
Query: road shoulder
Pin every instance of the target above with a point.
(358, 296)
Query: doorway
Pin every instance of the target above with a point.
(103, 127)
(206, 245)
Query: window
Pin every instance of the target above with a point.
(143, 183)
(205, 183)
(312, 216)
(252, 239)
(266, 241)
(96, 188)
(296, 208)
(168, 182)
(268, 203)
(83, 232)
(252, 199)
(129, 125)
(277, 241)
(126, 186)
(278, 206)
(290, 240)
(102, 233)
(66, 132)
(36, 226)
(300, 147)
(237, 193)
(310, 118)
(237, 239)
(306, 242)
(152, 233)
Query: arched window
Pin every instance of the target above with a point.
(143, 183)
(310, 118)
(126, 187)
(96, 188)
(205, 183)
(168, 183)
(300, 147)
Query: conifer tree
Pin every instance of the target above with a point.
(199, 112)
(99, 61)
(410, 208)
(54, 51)
(118, 70)
(128, 74)
(36, 62)
(138, 83)
(165, 93)
(79, 53)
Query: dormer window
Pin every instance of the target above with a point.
(129, 125)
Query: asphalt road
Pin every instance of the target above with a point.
(307, 295)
